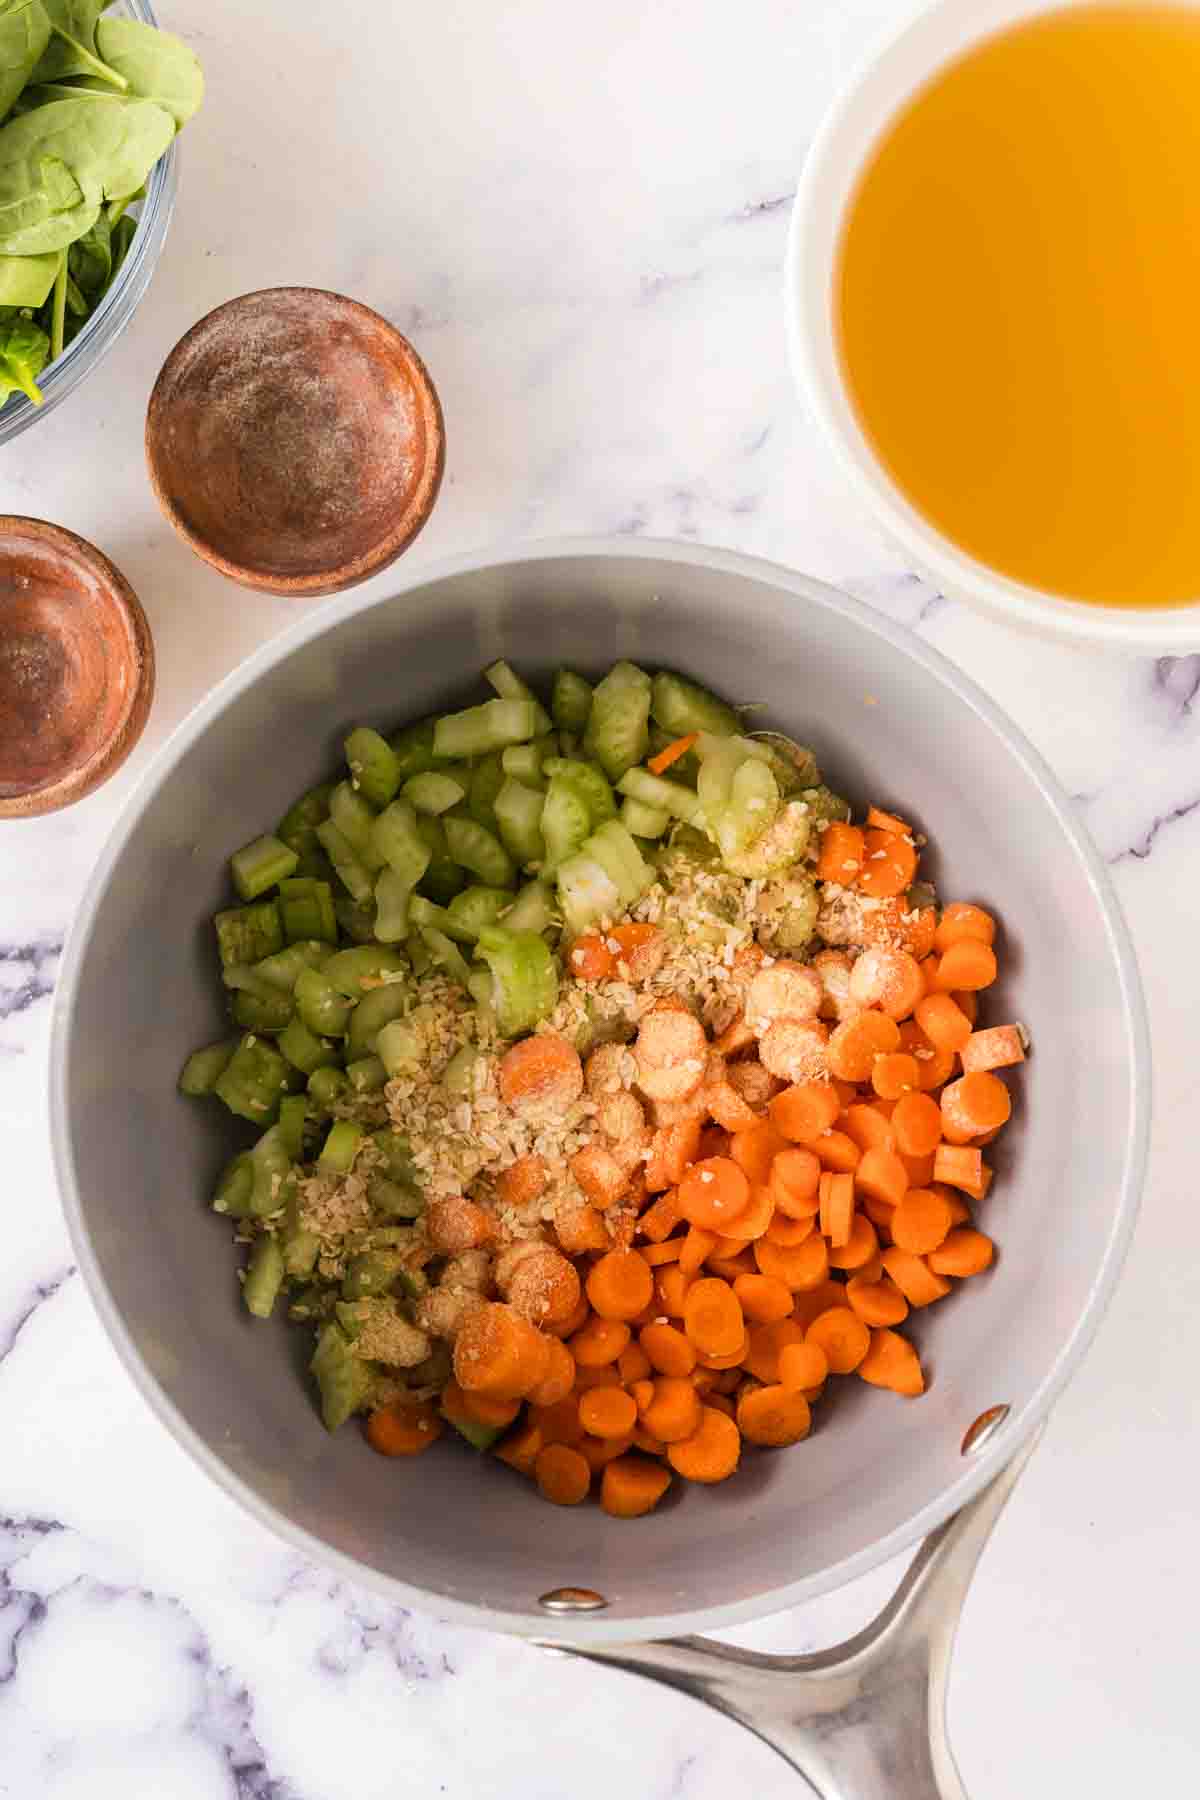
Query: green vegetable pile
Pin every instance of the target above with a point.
(88, 105)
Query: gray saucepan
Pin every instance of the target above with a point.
(891, 721)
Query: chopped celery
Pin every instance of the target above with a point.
(417, 953)
(377, 1008)
(396, 1154)
(459, 1076)
(269, 1011)
(355, 819)
(373, 1272)
(204, 1068)
(445, 953)
(355, 972)
(400, 844)
(681, 707)
(433, 792)
(340, 1148)
(395, 1199)
(487, 778)
(252, 1081)
(423, 912)
(509, 686)
(475, 849)
(283, 970)
(353, 874)
(524, 977)
(523, 762)
(481, 988)
(615, 850)
(392, 896)
(532, 910)
(474, 908)
(781, 845)
(586, 893)
(252, 1184)
(306, 911)
(642, 821)
(374, 766)
(298, 829)
(356, 919)
(300, 1247)
(487, 727)
(443, 878)
(264, 1278)
(752, 809)
(664, 796)
(413, 749)
(618, 728)
(261, 865)
(519, 817)
(293, 1110)
(246, 934)
(367, 1075)
(344, 1382)
(398, 1046)
(590, 785)
(565, 822)
(304, 1049)
(326, 1087)
(571, 702)
(322, 1007)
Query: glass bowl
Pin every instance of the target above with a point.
(122, 300)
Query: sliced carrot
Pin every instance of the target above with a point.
(962, 921)
(929, 969)
(633, 1364)
(404, 1429)
(842, 850)
(917, 1124)
(816, 1300)
(764, 1298)
(558, 1424)
(837, 1207)
(658, 1255)
(943, 1022)
(558, 1380)
(754, 1151)
(671, 1053)
(858, 1249)
(774, 1416)
(712, 1453)
(660, 1221)
(958, 1166)
(920, 1168)
(962, 1252)
(644, 1441)
(887, 978)
(804, 1267)
(871, 1270)
(600, 1175)
(855, 1044)
(975, 1104)
(498, 1352)
(562, 1475)
(882, 1175)
(713, 1318)
(672, 1148)
(878, 1211)
(835, 1150)
(639, 949)
(877, 1302)
(795, 1182)
(921, 1221)
(521, 1448)
(934, 1065)
(789, 1232)
(608, 1412)
(671, 1290)
(589, 958)
(454, 1224)
(737, 1037)
(674, 1411)
(577, 1320)
(721, 1403)
(485, 1409)
(889, 864)
(658, 765)
(895, 1075)
(643, 1393)
(891, 1362)
(731, 1361)
(753, 1221)
(868, 1127)
(893, 921)
(543, 1286)
(885, 821)
(667, 1350)
(713, 1193)
(967, 1003)
(599, 1343)
(579, 1228)
(767, 1343)
(841, 1334)
(631, 1487)
(968, 965)
(620, 1285)
(1000, 1047)
(698, 1246)
(728, 1108)
(540, 1069)
(802, 1112)
(730, 1267)
(598, 1452)
(913, 1276)
(523, 1182)
(802, 1366)
(794, 1049)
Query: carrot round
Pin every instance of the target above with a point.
(660, 1220)
(713, 1193)
(787, 1233)
(889, 865)
(934, 1065)
(889, 979)
(620, 1285)
(562, 1475)
(877, 1302)
(766, 1346)
(631, 1487)
(837, 1206)
(967, 965)
(891, 1362)
(590, 958)
(607, 1412)
(764, 1298)
(754, 1150)
(882, 1175)
(841, 858)
(804, 1110)
(859, 1248)
(813, 1302)
(867, 1125)
(544, 1287)
(958, 1165)
(521, 1448)
(803, 1267)
(711, 1453)
(802, 1366)
(835, 1150)
(895, 1075)
(913, 1276)
(713, 1318)
(841, 1334)
(403, 1430)
(597, 1453)
(633, 1364)
(774, 1416)
(943, 1021)
(671, 1290)
(976, 1104)
(668, 1350)
(540, 1070)
(455, 1224)
(697, 1247)
(754, 1219)
(917, 1125)
(885, 821)
(962, 921)
(558, 1424)
(854, 1045)
(795, 1183)
(962, 1252)
(921, 1221)
(498, 1352)
(639, 949)
(599, 1342)
(674, 1411)
(523, 1182)
(559, 1378)
(485, 1409)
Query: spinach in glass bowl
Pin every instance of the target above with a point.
(91, 100)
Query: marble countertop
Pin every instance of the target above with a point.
(579, 215)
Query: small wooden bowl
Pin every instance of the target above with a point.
(76, 668)
(295, 441)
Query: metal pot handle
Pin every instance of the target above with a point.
(865, 1720)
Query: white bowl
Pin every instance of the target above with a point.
(838, 155)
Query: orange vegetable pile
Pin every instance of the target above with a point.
(777, 1245)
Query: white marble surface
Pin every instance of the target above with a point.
(579, 214)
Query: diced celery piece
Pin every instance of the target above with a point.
(355, 819)
(459, 1076)
(434, 792)
(374, 766)
(367, 966)
(326, 1087)
(306, 911)
(413, 748)
(487, 727)
(267, 1011)
(261, 865)
(443, 878)
(642, 821)
(395, 1199)
(509, 686)
(400, 844)
(322, 1007)
(681, 707)
(524, 977)
(752, 808)
(377, 1008)
(340, 1148)
(343, 1380)
(252, 1081)
(586, 893)
(474, 908)
(532, 910)
(445, 953)
(666, 796)
(480, 1437)
(565, 822)
(392, 897)
(252, 1184)
(589, 784)
(399, 1046)
(353, 874)
(356, 919)
(615, 850)
(422, 912)
(487, 778)
(246, 934)
(519, 817)
(571, 702)
(617, 732)
(293, 1110)
(304, 1049)
(283, 970)
(298, 830)
(204, 1068)
(781, 845)
(475, 849)
(264, 1278)
(367, 1075)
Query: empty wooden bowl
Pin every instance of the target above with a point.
(76, 668)
(295, 441)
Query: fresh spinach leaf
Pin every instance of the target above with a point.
(24, 353)
(72, 47)
(91, 257)
(156, 66)
(26, 281)
(24, 35)
(109, 149)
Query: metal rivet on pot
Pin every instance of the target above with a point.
(572, 1600)
(984, 1429)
